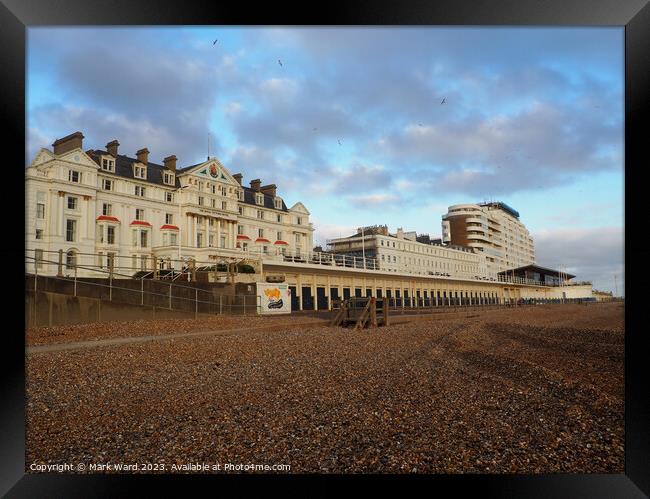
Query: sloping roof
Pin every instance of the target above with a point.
(124, 168)
(249, 198)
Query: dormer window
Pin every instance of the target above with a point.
(278, 203)
(240, 195)
(259, 199)
(108, 164)
(139, 172)
(168, 178)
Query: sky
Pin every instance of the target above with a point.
(365, 125)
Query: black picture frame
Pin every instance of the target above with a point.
(17, 15)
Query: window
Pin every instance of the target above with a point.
(297, 238)
(213, 202)
(241, 210)
(74, 176)
(70, 259)
(172, 238)
(200, 200)
(240, 230)
(279, 236)
(222, 241)
(143, 262)
(224, 205)
(38, 256)
(240, 195)
(211, 240)
(211, 222)
(107, 184)
(40, 210)
(199, 239)
(213, 188)
(278, 204)
(169, 218)
(143, 238)
(279, 218)
(164, 238)
(259, 198)
(168, 178)
(72, 203)
(70, 230)
(260, 232)
(39, 233)
(139, 214)
(139, 172)
(110, 234)
(260, 214)
(139, 190)
(108, 164)
(299, 220)
(107, 209)
(169, 197)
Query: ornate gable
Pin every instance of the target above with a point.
(212, 170)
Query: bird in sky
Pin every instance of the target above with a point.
(214, 42)
(339, 142)
(443, 100)
(420, 124)
(279, 62)
(315, 129)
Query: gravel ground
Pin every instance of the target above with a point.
(530, 390)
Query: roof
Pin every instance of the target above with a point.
(249, 198)
(503, 206)
(123, 168)
(537, 268)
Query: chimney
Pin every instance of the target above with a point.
(400, 233)
(238, 177)
(255, 184)
(111, 147)
(68, 143)
(269, 189)
(143, 156)
(170, 162)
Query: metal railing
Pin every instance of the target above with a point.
(60, 263)
(143, 291)
(331, 259)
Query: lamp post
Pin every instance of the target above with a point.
(180, 221)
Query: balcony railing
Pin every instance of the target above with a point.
(330, 259)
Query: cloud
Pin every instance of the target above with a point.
(324, 231)
(374, 201)
(590, 254)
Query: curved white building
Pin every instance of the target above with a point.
(493, 229)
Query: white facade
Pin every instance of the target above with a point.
(401, 253)
(136, 213)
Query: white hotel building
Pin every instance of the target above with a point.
(132, 214)
(402, 253)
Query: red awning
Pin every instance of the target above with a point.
(168, 227)
(107, 218)
(280, 242)
(245, 238)
(262, 240)
(140, 222)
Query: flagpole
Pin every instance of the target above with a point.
(363, 247)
